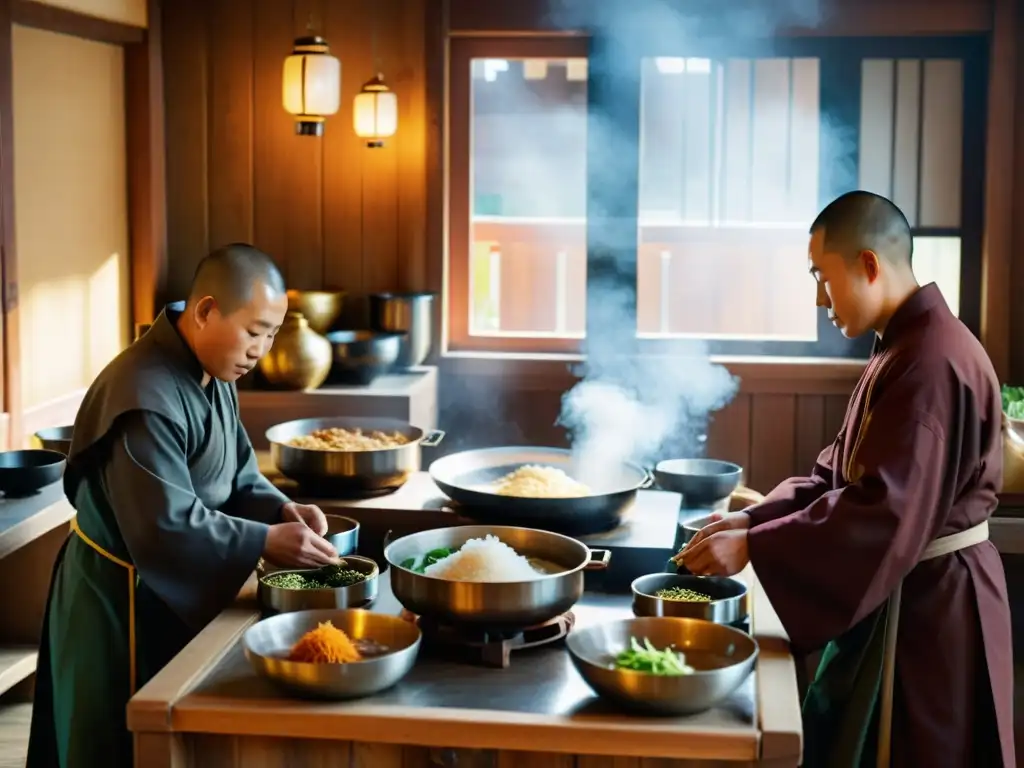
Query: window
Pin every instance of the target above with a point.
(681, 185)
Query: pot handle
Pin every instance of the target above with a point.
(387, 539)
(647, 482)
(432, 439)
(599, 559)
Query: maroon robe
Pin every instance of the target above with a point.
(829, 550)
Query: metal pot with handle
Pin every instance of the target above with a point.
(494, 604)
(373, 470)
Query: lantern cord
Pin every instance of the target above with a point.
(373, 41)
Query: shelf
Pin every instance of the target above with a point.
(16, 663)
(24, 520)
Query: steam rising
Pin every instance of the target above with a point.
(628, 406)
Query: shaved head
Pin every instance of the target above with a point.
(236, 306)
(231, 273)
(863, 221)
(860, 256)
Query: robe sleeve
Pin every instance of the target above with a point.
(253, 497)
(794, 494)
(829, 565)
(194, 558)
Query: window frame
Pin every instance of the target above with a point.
(612, 213)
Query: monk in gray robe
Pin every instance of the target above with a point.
(172, 513)
(881, 554)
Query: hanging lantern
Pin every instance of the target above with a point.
(312, 85)
(375, 112)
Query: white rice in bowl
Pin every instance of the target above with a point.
(486, 559)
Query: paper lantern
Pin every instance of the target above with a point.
(312, 85)
(375, 112)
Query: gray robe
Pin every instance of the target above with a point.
(163, 477)
(172, 469)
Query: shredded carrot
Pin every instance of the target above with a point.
(325, 645)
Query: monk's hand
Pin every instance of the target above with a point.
(296, 545)
(308, 514)
(734, 521)
(720, 554)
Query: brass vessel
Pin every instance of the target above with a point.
(300, 358)
(320, 308)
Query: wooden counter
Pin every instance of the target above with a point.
(207, 709)
(32, 530)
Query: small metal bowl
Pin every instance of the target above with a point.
(728, 597)
(702, 482)
(54, 439)
(691, 526)
(278, 600)
(343, 534)
(268, 642)
(721, 656)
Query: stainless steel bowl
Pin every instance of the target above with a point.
(728, 597)
(349, 470)
(268, 643)
(279, 600)
(702, 482)
(54, 439)
(494, 605)
(411, 314)
(343, 534)
(721, 656)
(362, 356)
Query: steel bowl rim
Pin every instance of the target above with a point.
(423, 435)
(355, 527)
(55, 458)
(633, 588)
(373, 335)
(415, 644)
(752, 657)
(734, 469)
(373, 575)
(400, 295)
(541, 577)
(300, 292)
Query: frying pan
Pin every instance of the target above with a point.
(464, 478)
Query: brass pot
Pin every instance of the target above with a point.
(320, 308)
(300, 358)
(1013, 455)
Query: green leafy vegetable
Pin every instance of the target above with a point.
(647, 658)
(1013, 401)
(420, 563)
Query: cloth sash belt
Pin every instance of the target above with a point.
(939, 547)
(130, 569)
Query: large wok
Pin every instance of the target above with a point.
(463, 477)
(349, 470)
(493, 605)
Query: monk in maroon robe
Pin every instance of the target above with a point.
(884, 545)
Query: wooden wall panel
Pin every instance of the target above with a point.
(333, 212)
(185, 50)
(339, 215)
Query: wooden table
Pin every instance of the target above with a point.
(207, 709)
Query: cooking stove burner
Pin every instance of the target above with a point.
(325, 489)
(491, 648)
